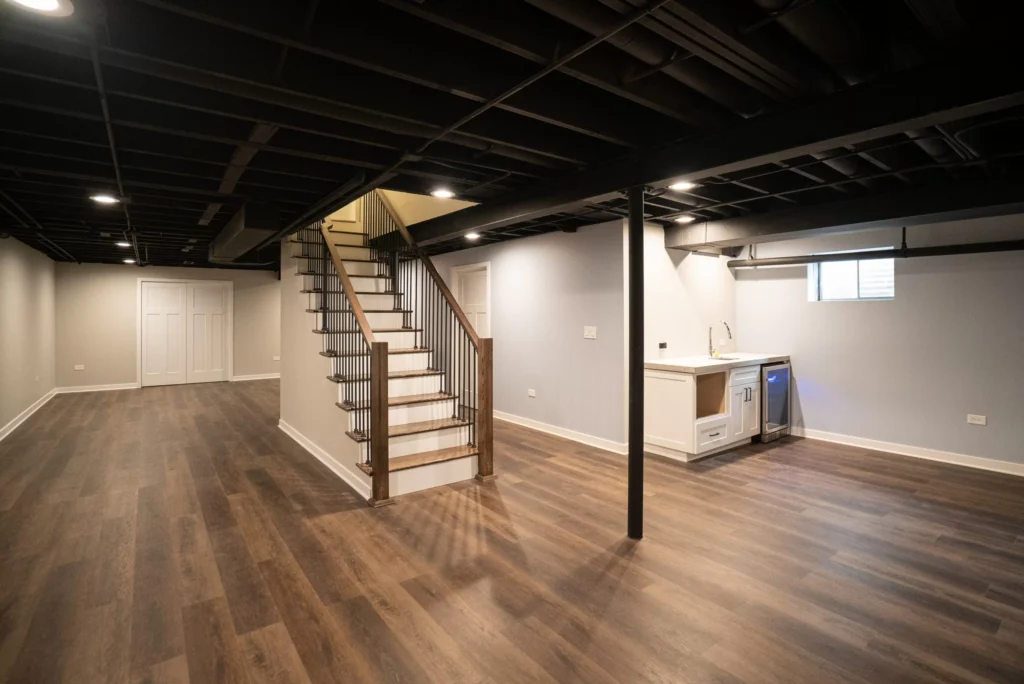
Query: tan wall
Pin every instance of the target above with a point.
(26, 328)
(307, 396)
(415, 208)
(97, 314)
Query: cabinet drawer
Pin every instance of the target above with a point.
(712, 434)
(745, 376)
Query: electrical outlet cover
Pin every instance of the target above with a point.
(977, 420)
(531, 393)
(590, 332)
(78, 368)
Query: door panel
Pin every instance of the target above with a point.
(163, 334)
(471, 289)
(207, 333)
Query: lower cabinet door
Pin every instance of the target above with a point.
(752, 413)
(737, 410)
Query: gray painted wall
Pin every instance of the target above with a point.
(544, 289)
(909, 370)
(27, 326)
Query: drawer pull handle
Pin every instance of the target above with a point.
(715, 434)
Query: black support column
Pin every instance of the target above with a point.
(635, 505)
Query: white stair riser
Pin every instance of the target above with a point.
(433, 475)
(388, 319)
(413, 413)
(376, 301)
(397, 340)
(401, 387)
(363, 284)
(396, 362)
(407, 362)
(345, 227)
(353, 239)
(427, 441)
(354, 252)
(360, 268)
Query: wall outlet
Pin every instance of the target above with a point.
(531, 393)
(277, 358)
(79, 368)
(37, 378)
(976, 420)
(590, 332)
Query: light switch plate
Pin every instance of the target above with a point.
(531, 393)
(590, 332)
(977, 420)
(79, 368)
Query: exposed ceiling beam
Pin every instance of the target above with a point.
(459, 76)
(283, 97)
(914, 206)
(914, 98)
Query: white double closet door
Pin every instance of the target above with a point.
(186, 328)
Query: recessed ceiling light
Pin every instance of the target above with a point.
(685, 219)
(472, 236)
(442, 193)
(682, 186)
(53, 8)
(129, 261)
(104, 199)
(123, 244)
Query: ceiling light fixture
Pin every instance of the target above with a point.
(104, 199)
(682, 186)
(129, 261)
(123, 244)
(53, 8)
(442, 193)
(472, 236)
(685, 219)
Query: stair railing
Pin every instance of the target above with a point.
(359, 361)
(465, 360)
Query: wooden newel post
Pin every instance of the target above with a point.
(485, 410)
(379, 424)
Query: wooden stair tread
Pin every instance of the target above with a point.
(393, 375)
(424, 458)
(376, 330)
(404, 400)
(401, 311)
(416, 428)
(344, 259)
(358, 292)
(331, 354)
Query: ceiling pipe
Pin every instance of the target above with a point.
(98, 71)
(898, 253)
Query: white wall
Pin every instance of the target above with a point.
(684, 294)
(97, 314)
(544, 289)
(905, 371)
(26, 328)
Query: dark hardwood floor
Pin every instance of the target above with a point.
(176, 535)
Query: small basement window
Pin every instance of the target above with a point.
(845, 281)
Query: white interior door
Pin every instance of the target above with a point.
(207, 331)
(163, 334)
(472, 290)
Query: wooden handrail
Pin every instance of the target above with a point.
(346, 286)
(428, 264)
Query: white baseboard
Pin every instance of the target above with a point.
(914, 452)
(583, 438)
(264, 376)
(97, 388)
(361, 486)
(26, 414)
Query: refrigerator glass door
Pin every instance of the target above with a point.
(776, 398)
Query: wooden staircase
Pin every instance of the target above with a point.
(414, 380)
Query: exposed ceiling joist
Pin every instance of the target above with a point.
(912, 99)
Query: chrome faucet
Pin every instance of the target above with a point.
(711, 346)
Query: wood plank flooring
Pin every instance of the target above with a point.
(176, 535)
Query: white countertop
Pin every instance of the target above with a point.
(699, 365)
